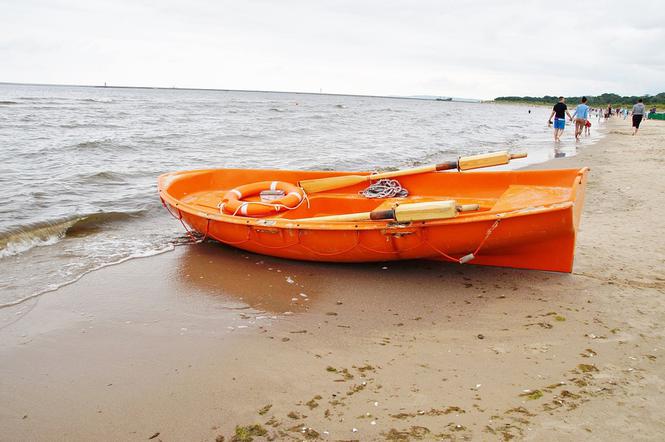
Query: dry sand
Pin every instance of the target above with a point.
(188, 345)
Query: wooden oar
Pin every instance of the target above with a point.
(463, 163)
(402, 213)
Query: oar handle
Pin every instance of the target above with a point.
(391, 213)
(482, 160)
(487, 160)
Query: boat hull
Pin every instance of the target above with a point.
(534, 234)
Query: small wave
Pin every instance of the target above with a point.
(95, 144)
(105, 176)
(52, 104)
(96, 100)
(107, 144)
(46, 100)
(89, 125)
(54, 287)
(276, 109)
(20, 242)
(340, 106)
(8, 102)
(90, 144)
(385, 109)
(24, 238)
(300, 130)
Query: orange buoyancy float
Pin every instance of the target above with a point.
(233, 203)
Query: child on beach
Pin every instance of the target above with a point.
(582, 116)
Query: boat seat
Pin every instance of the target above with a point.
(518, 196)
(208, 200)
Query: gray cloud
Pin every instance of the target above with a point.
(476, 49)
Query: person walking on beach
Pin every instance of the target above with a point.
(582, 115)
(559, 113)
(638, 114)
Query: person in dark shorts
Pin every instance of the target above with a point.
(638, 114)
(559, 113)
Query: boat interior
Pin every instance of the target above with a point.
(492, 191)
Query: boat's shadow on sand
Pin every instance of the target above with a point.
(276, 285)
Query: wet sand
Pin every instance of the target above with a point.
(206, 341)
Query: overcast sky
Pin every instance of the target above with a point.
(475, 49)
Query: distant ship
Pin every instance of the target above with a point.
(444, 99)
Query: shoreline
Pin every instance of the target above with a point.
(191, 344)
(27, 239)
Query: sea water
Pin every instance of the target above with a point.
(78, 165)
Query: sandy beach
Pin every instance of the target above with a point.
(209, 343)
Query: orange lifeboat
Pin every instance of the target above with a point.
(522, 219)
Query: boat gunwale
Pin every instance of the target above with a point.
(165, 180)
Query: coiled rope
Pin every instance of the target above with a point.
(385, 188)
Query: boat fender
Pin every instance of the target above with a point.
(233, 203)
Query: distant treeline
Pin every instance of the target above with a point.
(594, 101)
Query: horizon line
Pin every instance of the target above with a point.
(105, 86)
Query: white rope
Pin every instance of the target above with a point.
(385, 188)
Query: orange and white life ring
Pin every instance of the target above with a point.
(233, 203)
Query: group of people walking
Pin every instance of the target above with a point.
(581, 117)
